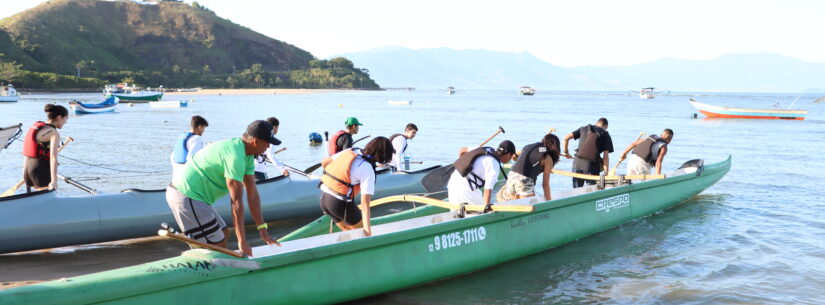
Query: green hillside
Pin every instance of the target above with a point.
(170, 43)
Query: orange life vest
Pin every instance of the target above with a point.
(336, 175)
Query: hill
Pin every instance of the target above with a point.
(480, 69)
(165, 43)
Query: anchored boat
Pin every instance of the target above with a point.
(169, 104)
(8, 94)
(108, 105)
(524, 90)
(406, 249)
(45, 219)
(132, 94)
(742, 113)
(399, 102)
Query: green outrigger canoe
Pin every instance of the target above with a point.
(407, 248)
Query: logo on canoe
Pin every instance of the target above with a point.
(455, 239)
(199, 267)
(615, 202)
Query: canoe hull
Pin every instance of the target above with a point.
(135, 213)
(139, 97)
(374, 265)
(712, 111)
(9, 99)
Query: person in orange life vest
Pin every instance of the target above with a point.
(647, 152)
(343, 138)
(40, 149)
(345, 175)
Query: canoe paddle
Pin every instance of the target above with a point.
(14, 188)
(500, 130)
(612, 172)
(77, 184)
(316, 166)
(168, 231)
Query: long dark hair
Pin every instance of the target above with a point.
(379, 150)
(551, 143)
(54, 111)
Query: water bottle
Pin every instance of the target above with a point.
(406, 162)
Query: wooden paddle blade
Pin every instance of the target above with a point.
(436, 180)
(819, 100)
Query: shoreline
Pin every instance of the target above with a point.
(269, 91)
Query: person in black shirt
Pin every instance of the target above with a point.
(594, 140)
(534, 159)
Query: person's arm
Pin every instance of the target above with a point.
(488, 195)
(566, 153)
(254, 201)
(346, 142)
(236, 200)
(606, 162)
(629, 148)
(365, 213)
(662, 153)
(491, 173)
(270, 155)
(545, 183)
(462, 151)
(53, 149)
(197, 144)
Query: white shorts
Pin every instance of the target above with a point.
(637, 166)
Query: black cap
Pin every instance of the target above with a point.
(262, 130)
(506, 147)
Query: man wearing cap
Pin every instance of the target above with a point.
(342, 139)
(476, 173)
(220, 168)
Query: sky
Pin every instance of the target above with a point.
(563, 33)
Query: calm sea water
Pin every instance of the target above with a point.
(756, 237)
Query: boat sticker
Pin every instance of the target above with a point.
(520, 222)
(456, 239)
(612, 203)
(200, 267)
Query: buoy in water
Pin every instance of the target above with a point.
(694, 116)
(315, 137)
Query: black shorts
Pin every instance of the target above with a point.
(37, 173)
(340, 210)
(581, 166)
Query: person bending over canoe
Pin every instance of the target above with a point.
(220, 168)
(476, 173)
(399, 144)
(348, 173)
(187, 145)
(647, 153)
(539, 157)
(593, 140)
(268, 157)
(343, 138)
(40, 149)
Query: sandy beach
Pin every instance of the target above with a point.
(256, 91)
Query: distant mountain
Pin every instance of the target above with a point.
(479, 69)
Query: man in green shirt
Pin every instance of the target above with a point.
(220, 168)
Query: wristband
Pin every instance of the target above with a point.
(263, 226)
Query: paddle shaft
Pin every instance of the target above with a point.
(199, 244)
(613, 171)
(278, 151)
(500, 130)
(77, 184)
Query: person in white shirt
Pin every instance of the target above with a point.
(345, 175)
(476, 173)
(268, 157)
(399, 144)
(187, 145)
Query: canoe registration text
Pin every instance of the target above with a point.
(455, 239)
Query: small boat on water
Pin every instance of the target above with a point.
(107, 105)
(712, 111)
(189, 90)
(399, 102)
(647, 93)
(41, 220)
(524, 90)
(8, 134)
(406, 249)
(450, 90)
(8, 94)
(169, 104)
(132, 94)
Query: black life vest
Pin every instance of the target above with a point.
(464, 166)
(528, 164)
(648, 150)
(403, 149)
(34, 149)
(588, 144)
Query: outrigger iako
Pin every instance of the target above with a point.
(406, 249)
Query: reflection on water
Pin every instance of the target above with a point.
(755, 237)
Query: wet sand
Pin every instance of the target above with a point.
(255, 91)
